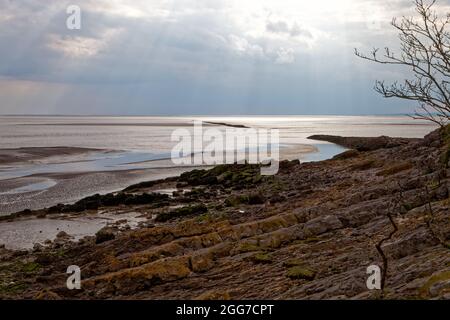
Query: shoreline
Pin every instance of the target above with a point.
(130, 177)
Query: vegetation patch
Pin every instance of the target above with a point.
(262, 258)
(292, 263)
(182, 212)
(206, 217)
(298, 272)
(248, 247)
(444, 276)
(31, 267)
(445, 134)
(13, 288)
(227, 175)
(251, 199)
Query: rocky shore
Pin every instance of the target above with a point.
(310, 232)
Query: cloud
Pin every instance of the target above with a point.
(277, 27)
(285, 56)
(282, 27)
(81, 47)
(192, 55)
(243, 47)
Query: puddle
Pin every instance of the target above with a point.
(168, 191)
(23, 234)
(325, 151)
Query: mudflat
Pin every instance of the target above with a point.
(9, 156)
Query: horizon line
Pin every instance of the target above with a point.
(203, 115)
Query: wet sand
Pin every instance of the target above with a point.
(20, 155)
(37, 178)
(44, 177)
(70, 187)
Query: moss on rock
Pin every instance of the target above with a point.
(182, 212)
(299, 272)
(263, 258)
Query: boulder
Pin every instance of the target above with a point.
(104, 234)
(63, 235)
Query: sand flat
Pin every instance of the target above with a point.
(20, 155)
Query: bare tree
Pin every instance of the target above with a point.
(425, 50)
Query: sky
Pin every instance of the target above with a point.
(197, 57)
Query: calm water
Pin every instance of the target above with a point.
(152, 134)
